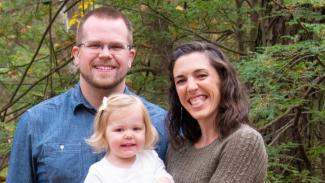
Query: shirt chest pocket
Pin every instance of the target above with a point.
(60, 162)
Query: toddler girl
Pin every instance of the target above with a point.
(124, 131)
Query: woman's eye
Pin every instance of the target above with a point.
(202, 76)
(180, 81)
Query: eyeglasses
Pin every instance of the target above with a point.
(97, 47)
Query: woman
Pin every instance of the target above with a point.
(207, 121)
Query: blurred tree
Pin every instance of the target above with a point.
(277, 46)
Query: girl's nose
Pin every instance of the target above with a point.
(128, 135)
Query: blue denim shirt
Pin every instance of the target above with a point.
(49, 142)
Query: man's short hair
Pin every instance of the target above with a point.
(105, 12)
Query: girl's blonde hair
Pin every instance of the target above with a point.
(115, 103)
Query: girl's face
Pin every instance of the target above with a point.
(125, 134)
(197, 85)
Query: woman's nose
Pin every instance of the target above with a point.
(191, 85)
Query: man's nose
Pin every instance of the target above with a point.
(105, 51)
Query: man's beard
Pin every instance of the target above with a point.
(102, 85)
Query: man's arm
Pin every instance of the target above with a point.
(21, 163)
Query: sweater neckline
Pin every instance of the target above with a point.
(212, 144)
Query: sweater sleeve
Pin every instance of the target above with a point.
(243, 159)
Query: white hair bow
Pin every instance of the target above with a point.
(104, 104)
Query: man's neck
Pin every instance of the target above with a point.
(95, 95)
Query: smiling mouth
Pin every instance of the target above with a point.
(197, 100)
(104, 68)
(128, 145)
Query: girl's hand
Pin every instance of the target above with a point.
(164, 180)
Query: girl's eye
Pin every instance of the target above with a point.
(118, 130)
(137, 128)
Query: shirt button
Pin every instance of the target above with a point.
(61, 147)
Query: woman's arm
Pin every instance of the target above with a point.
(243, 159)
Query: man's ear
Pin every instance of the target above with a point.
(75, 53)
(131, 57)
(130, 64)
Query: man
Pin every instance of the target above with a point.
(49, 143)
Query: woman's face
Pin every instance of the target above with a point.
(197, 85)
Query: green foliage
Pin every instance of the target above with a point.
(6, 131)
(317, 151)
(280, 168)
(297, 2)
(281, 62)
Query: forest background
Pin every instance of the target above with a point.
(277, 47)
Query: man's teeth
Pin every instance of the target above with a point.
(104, 68)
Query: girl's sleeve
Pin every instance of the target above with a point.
(92, 176)
(244, 160)
(160, 170)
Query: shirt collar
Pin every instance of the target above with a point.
(79, 101)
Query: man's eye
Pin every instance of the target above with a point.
(94, 46)
(116, 47)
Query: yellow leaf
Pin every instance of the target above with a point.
(30, 71)
(179, 8)
(143, 8)
(194, 24)
(86, 4)
(73, 21)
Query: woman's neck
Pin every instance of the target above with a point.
(209, 134)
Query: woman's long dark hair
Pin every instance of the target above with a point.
(233, 107)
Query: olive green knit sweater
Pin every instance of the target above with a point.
(240, 157)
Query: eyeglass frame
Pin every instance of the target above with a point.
(102, 46)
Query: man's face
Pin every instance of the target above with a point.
(103, 69)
